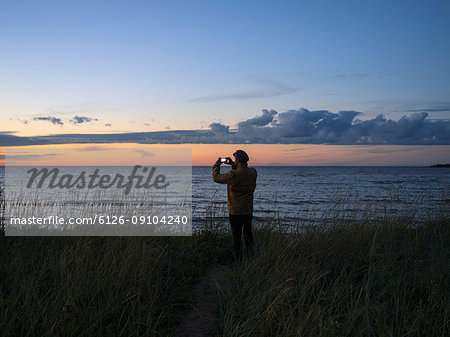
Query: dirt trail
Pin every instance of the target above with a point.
(200, 321)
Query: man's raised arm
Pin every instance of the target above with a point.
(220, 178)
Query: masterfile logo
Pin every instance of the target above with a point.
(99, 191)
(148, 179)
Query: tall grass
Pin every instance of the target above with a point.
(348, 276)
(117, 286)
(2, 211)
(355, 279)
(101, 286)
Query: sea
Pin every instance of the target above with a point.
(309, 194)
(293, 195)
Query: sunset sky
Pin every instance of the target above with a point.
(206, 154)
(291, 82)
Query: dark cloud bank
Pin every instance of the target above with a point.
(291, 127)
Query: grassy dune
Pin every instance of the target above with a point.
(367, 277)
(76, 286)
(356, 279)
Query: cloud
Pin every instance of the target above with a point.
(144, 153)
(324, 127)
(273, 88)
(300, 126)
(53, 120)
(354, 75)
(266, 118)
(382, 150)
(433, 107)
(429, 110)
(10, 140)
(379, 74)
(94, 148)
(425, 109)
(296, 149)
(219, 128)
(319, 126)
(23, 121)
(82, 119)
(108, 124)
(59, 121)
(29, 156)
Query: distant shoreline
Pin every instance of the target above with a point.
(440, 165)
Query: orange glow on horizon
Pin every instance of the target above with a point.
(260, 154)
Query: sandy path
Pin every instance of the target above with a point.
(200, 321)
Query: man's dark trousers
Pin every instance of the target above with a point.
(239, 222)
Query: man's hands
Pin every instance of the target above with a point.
(228, 162)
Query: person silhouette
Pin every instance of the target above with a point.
(241, 183)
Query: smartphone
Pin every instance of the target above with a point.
(223, 160)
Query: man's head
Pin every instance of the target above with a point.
(241, 156)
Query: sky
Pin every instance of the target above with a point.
(120, 154)
(329, 75)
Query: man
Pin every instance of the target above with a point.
(241, 183)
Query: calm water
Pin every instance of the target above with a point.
(306, 193)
